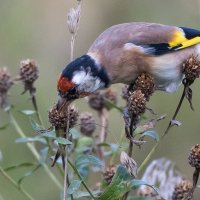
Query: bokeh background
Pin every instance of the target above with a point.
(38, 30)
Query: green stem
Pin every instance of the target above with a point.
(33, 150)
(12, 181)
(82, 181)
(153, 150)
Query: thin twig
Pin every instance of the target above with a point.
(33, 149)
(177, 110)
(14, 183)
(81, 179)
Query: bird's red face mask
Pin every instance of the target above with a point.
(67, 89)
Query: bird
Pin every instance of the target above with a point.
(124, 51)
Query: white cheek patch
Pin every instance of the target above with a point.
(86, 82)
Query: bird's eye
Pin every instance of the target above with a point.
(73, 91)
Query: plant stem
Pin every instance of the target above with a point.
(33, 150)
(14, 183)
(82, 181)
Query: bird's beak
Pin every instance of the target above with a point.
(63, 103)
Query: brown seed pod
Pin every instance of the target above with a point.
(145, 83)
(96, 101)
(109, 173)
(137, 103)
(148, 192)
(29, 71)
(87, 124)
(191, 68)
(181, 190)
(59, 118)
(5, 84)
(110, 95)
(194, 156)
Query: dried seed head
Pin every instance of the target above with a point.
(96, 101)
(124, 93)
(87, 124)
(59, 118)
(129, 163)
(111, 96)
(29, 71)
(148, 192)
(109, 173)
(73, 19)
(5, 84)
(194, 156)
(181, 190)
(145, 83)
(137, 103)
(191, 68)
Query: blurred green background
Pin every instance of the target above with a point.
(38, 30)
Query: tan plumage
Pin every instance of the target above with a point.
(124, 51)
(120, 50)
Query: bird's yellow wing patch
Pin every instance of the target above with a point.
(179, 40)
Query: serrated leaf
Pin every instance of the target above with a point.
(118, 187)
(74, 185)
(29, 139)
(4, 126)
(28, 112)
(25, 164)
(28, 174)
(63, 141)
(84, 160)
(152, 134)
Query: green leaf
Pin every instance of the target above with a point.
(4, 127)
(44, 154)
(27, 112)
(81, 194)
(75, 134)
(118, 186)
(84, 160)
(152, 134)
(135, 183)
(29, 139)
(74, 185)
(25, 164)
(63, 141)
(84, 141)
(28, 174)
(49, 134)
(35, 126)
(1, 156)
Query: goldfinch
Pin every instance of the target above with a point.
(124, 51)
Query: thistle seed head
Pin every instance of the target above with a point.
(148, 192)
(29, 71)
(111, 96)
(109, 173)
(96, 101)
(5, 84)
(59, 118)
(137, 103)
(191, 68)
(194, 156)
(181, 190)
(145, 83)
(87, 124)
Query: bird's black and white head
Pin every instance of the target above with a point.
(81, 77)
